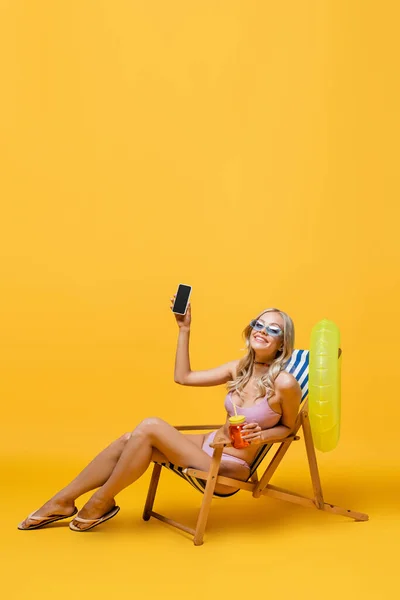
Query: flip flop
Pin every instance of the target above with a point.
(109, 515)
(44, 520)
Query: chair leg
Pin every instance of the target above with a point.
(208, 494)
(151, 494)
(275, 462)
(270, 470)
(312, 461)
(254, 477)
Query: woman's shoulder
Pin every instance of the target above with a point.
(286, 381)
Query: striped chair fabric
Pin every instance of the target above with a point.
(297, 365)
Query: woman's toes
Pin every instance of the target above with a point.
(47, 511)
(28, 521)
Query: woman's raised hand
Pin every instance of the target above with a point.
(182, 320)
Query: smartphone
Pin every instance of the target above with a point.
(182, 299)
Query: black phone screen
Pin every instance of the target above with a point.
(181, 300)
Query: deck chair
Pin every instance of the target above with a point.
(205, 481)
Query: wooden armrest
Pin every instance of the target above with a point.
(286, 440)
(196, 427)
(222, 443)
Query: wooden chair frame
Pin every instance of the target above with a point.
(257, 487)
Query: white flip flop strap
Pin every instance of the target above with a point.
(38, 518)
(87, 520)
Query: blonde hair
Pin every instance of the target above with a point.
(246, 365)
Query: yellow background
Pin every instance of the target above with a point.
(249, 149)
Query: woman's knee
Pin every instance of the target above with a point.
(119, 444)
(149, 426)
(122, 441)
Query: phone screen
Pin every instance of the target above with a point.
(182, 299)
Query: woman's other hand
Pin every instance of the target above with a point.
(251, 432)
(182, 320)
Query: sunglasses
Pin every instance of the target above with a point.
(273, 330)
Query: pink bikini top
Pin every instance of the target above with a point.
(260, 413)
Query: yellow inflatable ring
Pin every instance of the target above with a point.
(324, 385)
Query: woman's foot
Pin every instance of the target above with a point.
(55, 507)
(95, 508)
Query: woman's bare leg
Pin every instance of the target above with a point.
(152, 440)
(94, 475)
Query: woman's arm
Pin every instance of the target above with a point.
(183, 373)
(185, 376)
(289, 392)
(279, 431)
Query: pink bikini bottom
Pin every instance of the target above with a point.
(225, 457)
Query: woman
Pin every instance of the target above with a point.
(257, 385)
